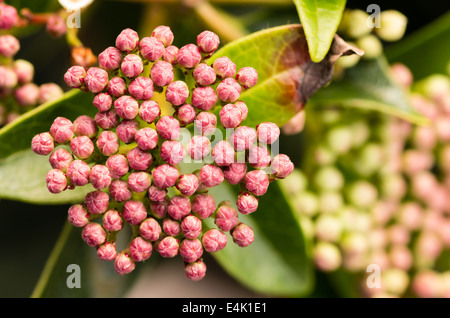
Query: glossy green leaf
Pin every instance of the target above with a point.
(97, 278)
(286, 75)
(426, 51)
(368, 86)
(278, 262)
(22, 178)
(320, 19)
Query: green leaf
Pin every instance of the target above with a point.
(22, 178)
(17, 135)
(278, 262)
(97, 278)
(320, 19)
(368, 86)
(286, 75)
(426, 51)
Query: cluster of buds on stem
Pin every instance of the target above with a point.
(18, 93)
(394, 209)
(138, 160)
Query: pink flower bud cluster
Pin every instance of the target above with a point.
(131, 154)
(18, 92)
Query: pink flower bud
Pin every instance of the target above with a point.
(214, 240)
(24, 71)
(62, 130)
(156, 194)
(159, 209)
(185, 114)
(191, 250)
(235, 173)
(243, 138)
(195, 271)
(132, 65)
(401, 257)
(172, 152)
(8, 16)
(49, 92)
(82, 147)
(139, 181)
(110, 59)
(146, 138)
(229, 90)
(226, 217)
(171, 227)
(170, 54)
(139, 159)
(93, 234)
(27, 94)
(96, 79)
(127, 41)
(60, 159)
(42, 144)
(208, 42)
(168, 128)
(259, 157)
(126, 107)
(198, 147)
(168, 247)
(107, 120)
(100, 177)
(189, 56)
(97, 202)
(247, 203)
(204, 98)
(56, 26)
(242, 235)
(210, 176)
(224, 67)
(187, 184)
(267, 133)
(257, 182)
(78, 173)
(230, 116)
(77, 215)
(9, 45)
(8, 79)
(205, 123)
(134, 212)
(85, 126)
(112, 221)
(118, 189)
(191, 226)
(247, 77)
(107, 251)
(149, 111)
(74, 77)
(150, 229)
(402, 74)
(281, 166)
(177, 92)
(126, 130)
(140, 249)
(151, 48)
(164, 34)
(118, 166)
(165, 176)
(56, 181)
(223, 153)
(427, 284)
(162, 73)
(179, 207)
(124, 264)
(203, 205)
(204, 75)
(107, 143)
(141, 88)
(117, 86)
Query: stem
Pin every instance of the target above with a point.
(72, 38)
